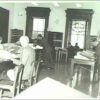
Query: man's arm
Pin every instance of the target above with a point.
(16, 62)
(25, 56)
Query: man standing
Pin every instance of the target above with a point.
(46, 52)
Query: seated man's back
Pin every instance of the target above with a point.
(71, 52)
(27, 59)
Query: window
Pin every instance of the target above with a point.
(38, 27)
(78, 27)
(78, 33)
(37, 20)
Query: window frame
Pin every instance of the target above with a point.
(36, 12)
(78, 14)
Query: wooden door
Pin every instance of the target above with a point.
(4, 20)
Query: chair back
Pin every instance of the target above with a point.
(98, 96)
(37, 68)
(18, 79)
(34, 71)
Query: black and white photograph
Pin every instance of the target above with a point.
(49, 49)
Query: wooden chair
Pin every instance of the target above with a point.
(34, 75)
(98, 96)
(59, 54)
(15, 87)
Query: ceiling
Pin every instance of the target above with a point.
(64, 4)
(85, 4)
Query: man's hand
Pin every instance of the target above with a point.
(15, 61)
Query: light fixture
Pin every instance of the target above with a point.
(56, 4)
(78, 5)
(34, 3)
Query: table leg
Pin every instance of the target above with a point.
(66, 57)
(90, 89)
(72, 68)
(92, 73)
(58, 56)
(98, 96)
(1, 92)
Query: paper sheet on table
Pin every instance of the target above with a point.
(89, 54)
(37, 47)
(79, 56)
(6, 55)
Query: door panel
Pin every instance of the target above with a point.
(4, 20)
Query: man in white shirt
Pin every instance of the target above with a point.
(27, 59)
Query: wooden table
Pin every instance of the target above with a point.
(82, 60)
(50, 89)
(15, 49)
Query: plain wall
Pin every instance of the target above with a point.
(57, 18)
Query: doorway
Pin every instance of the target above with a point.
(4, 20)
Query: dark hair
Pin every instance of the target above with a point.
(40, 35)
(69, 43)
(76, 43)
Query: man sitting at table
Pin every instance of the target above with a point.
(71, 51)
(27, 59)
(46, 54)
(77, 48)
(4, 63)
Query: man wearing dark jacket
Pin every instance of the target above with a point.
(46, 52)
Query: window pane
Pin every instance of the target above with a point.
(78, 33)
(81, 41)
(73, 39)
(41, 33)
(34, 34)
(38, 24)
(38, 27)
(78, 27)
(78, 39)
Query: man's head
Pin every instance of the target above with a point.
(76, 44)
(24, 40)
(39, 36)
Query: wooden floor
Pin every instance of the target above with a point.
(80, 81)
(61, 73)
